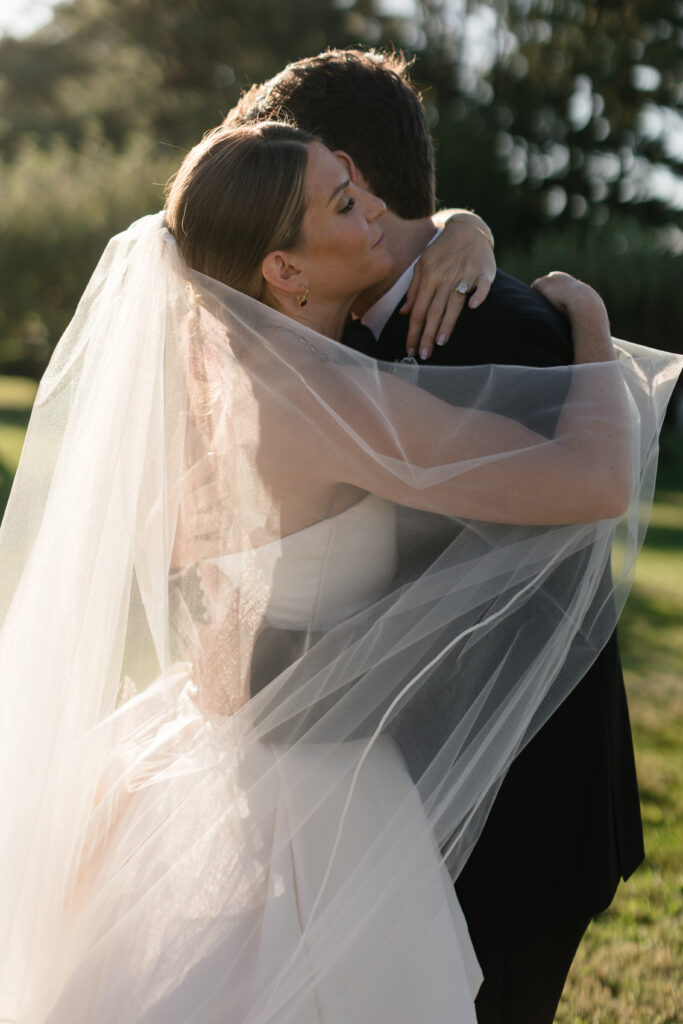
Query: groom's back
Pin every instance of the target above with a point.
(565, 825)
(516, 325)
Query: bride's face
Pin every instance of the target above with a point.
(343, 246)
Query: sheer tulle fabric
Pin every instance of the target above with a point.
(260, 662)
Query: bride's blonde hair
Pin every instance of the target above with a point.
(238, 195)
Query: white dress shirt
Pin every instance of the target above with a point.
(377, 316)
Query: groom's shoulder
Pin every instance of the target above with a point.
(513, 299)
(515, 323)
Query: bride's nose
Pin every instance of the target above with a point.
(373, 207)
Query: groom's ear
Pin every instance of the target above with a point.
(357, 177)
(283, 271)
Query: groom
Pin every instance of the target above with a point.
(565, 825)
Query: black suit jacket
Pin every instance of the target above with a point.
(568, 813)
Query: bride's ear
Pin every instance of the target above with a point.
(284, 273)
(356, 176)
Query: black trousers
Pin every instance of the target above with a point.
(562, 831)
(525, 915)
(525, 953)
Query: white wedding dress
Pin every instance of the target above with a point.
(246, 910)
(267, 858)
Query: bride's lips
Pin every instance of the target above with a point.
(380, 241)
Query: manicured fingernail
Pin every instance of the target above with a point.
(411, 352)
(474, 303)
(442, 339)
(424, 353)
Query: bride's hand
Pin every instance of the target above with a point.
(461, 255)
(569, 295)
(585, 310)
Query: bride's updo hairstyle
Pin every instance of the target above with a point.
(239, 194)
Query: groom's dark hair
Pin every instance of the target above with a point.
(360, 101)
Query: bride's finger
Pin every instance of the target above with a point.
(481, 289)
(444, 310)
(429, 305)
(454, 307)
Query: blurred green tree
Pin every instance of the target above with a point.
(559, 112)
(570, 109)
(97, 109)
(171, 69)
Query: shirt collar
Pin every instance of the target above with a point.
(377, 317)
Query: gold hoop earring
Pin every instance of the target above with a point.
(302, 299)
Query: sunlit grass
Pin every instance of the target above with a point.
(17, 393)
(629, 967)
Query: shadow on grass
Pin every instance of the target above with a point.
(11, 417)
(670, 470)
(15, 417)
(645, 627)
(663, 538)
(5, 487)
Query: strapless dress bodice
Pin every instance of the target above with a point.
(323, 574)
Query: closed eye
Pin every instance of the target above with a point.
(349, 205)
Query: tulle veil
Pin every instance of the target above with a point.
(156, 713)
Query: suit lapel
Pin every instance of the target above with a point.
(391, 344)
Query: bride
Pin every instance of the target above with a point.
(195, 834)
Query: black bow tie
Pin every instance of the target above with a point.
(359, 337)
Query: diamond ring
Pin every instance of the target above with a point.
(462, 288)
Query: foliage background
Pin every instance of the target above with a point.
(560, 121)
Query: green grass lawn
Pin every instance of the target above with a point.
(628, 969)
(16, 399)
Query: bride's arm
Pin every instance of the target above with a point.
(490, 467)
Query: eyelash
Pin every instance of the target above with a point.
(349, 206)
